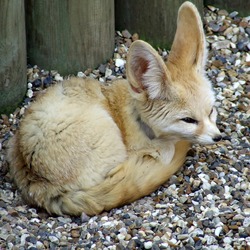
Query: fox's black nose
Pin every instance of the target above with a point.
(217, 138)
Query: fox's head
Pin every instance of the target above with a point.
(175, 98)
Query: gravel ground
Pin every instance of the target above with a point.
(206, 205)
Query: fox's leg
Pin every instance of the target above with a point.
(136, 178)
(160, 150)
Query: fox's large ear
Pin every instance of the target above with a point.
(189, 47)
(146, 71)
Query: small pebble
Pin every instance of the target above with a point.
(148, 245)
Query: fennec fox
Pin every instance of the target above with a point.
(85, 148)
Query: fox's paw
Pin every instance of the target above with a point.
(148, 153)
(165, 153)
(155, 154)
(164, 156)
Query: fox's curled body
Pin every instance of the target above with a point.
(85, 148)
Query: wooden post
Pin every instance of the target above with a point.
(13, 75)
(69, 35)
(153, 20)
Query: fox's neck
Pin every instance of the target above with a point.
(126, 114)
(145, 128)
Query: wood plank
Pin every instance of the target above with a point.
(69, 35)
(153, 20)
(12, 55)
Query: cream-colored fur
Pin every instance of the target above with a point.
(85, 148)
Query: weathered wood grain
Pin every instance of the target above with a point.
(12, 54)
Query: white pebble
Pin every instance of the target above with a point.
(237, 62)
(233, 45)
(101, 80)
(157, 238)
(227, 240)
(148, 244)
(35, 75)
(39, 245)
(23, 239)
(58, 78)
(22, 111)
(29, 85)
(35, 220)
(181, 223)
(247, 211)
(173, 241)
(164, 53)
(29, 93)
(197, 231)
(238, 217)
(104, 218)
(142, 233)
(220, 78)
(153, 224)
(196, 203)
(227, 193)
(161, 206)
(53, 239)
(206, 185)
(121, 236)
(236, 85)
(123, 230)
(10, 245)
(108, 72)
(108, 224)
(247, 57)
(218, 231)
(209, 239)
(246, 222)
(236, 30)
(81, 74)
(164, 245)
(93, 246)
(119, 62)
(210, 197)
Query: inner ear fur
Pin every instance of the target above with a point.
(189, 47)
(146, 71)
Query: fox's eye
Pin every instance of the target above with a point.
(189, 120)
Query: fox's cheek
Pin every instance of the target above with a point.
(179, 131)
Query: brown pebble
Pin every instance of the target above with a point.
(135, 37)
(5, 120)
(229, 216)
(243, 24)
(217, 63)
(13, 212)
(225, 229)
(233, 227)
(75, 233)
(222, 13)
(242, 107)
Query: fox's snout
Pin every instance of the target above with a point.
(209, 134)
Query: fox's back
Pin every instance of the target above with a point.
(68, 134)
